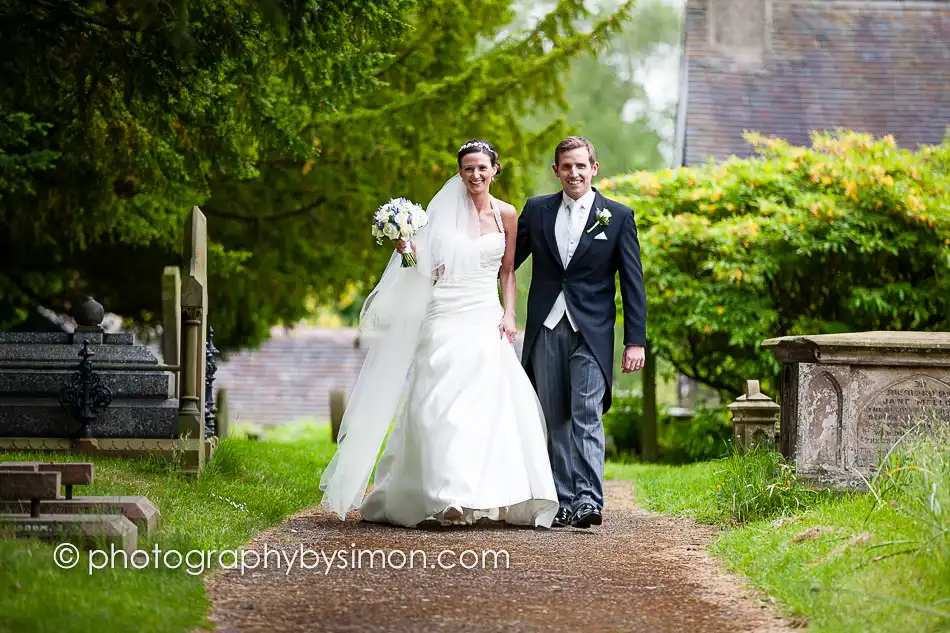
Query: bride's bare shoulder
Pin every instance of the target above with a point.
(506, 209)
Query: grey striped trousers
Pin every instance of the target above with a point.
(571, 389)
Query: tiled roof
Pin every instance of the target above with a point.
(878, 66)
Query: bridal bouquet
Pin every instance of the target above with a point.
(399, 219)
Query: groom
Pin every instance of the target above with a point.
(580, 240)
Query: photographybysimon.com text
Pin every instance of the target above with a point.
(305, 559)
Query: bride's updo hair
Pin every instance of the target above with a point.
(484, 147)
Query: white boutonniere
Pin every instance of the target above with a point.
(602, 218)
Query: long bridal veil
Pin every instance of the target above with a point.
(391, 320)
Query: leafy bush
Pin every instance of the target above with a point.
(849, 234)
(623, 423)
(704, 436)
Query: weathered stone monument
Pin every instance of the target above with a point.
(222, 415)
(848, 398)
(171, 317)
(754, 418)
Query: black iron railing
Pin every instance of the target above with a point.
(84, 396)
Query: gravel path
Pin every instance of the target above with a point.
(639, 572)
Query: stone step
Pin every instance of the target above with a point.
(45, 417)
(122, 384)
(137, 509)
(89, 531)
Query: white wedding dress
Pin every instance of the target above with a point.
(469, 441)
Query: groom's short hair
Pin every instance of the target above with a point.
(573, 142)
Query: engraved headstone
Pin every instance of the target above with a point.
(848, 398)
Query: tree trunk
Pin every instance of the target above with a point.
(648, 429)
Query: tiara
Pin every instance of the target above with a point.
(476, 144)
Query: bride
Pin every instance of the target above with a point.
(468, 438)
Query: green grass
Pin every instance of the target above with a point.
(248, 486)
(304, 429)
(867, 561)
(675, 490)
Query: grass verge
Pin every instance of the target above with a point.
(248, 486)
(877, 560)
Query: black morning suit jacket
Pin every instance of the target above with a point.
(589, 282)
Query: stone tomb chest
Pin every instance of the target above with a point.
(847, 398)
(36, 367)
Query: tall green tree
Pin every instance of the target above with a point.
(288, 124)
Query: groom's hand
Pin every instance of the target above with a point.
(633, 358)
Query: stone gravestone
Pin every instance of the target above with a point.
(31, 488)
(222, 416)
(753, 418)
(194, 324)
(848, 398)
(338, 402)
(139, 510)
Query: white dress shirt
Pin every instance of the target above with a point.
(568, 229)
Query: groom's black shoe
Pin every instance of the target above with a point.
(586, 516)
(562, 518)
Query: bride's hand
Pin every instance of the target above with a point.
(507, 327)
